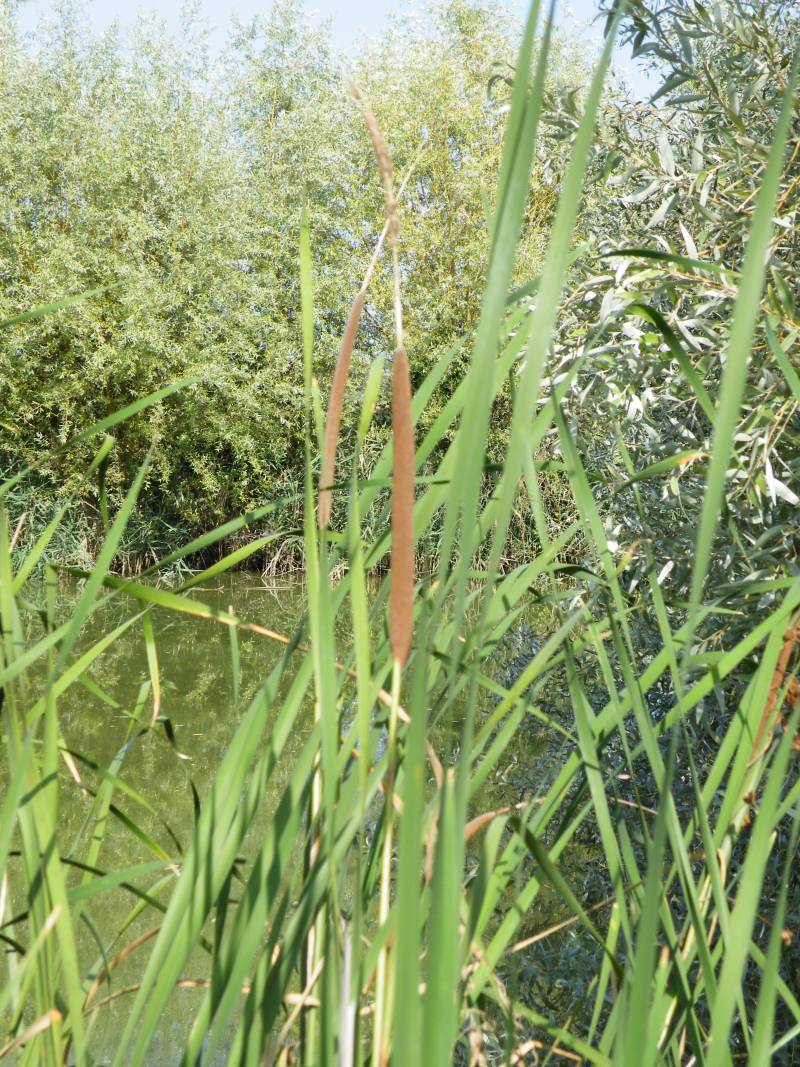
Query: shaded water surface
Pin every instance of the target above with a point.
(169, 771)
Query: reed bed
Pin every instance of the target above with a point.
(403, 941)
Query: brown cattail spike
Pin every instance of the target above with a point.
(401, 597)
(335, 409)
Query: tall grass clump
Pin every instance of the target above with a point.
(632, 902)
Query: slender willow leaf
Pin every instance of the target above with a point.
(745, 317)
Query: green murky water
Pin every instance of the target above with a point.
(170, 770)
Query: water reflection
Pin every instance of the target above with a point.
(169, 771)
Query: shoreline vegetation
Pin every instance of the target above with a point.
(174, 186)
(570, 390)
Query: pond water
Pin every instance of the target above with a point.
(172, 768)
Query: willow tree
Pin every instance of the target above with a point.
(135, 164)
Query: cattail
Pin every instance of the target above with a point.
(335, 409)
(342, 370)
(401, 597)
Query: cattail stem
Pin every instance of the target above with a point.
(382, 1005)
(314, 939)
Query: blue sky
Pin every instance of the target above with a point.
(350, 19)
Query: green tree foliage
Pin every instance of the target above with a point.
(140, 166)
(666, 224)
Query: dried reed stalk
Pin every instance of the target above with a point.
(340, 375)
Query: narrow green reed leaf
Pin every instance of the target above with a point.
(554, 876)
(276, 859)
(401, 595)
(236, 663)
(515, 183)
(141, 835)
(442, 972)
(72, 673)
(462, 501)
(606, 971)
(702, 265)
(92, 887)
(606, 722)
(734, 764)
(151, 650)
(231, 560)
(663, 466)
(14, 791)
(57, 305)
(370, 397)
(745, 317)
(510, 346)
(274, 977)
(681, 849)
(542, 324)
(361, 639)
(33, 555)
(639, 991)
(320, 624)
(317, 417)
(17, 987)
(788, 997)
(306, 301)
(591, 761)
(540, 331)
(408, 1009)
(100, 464)
(788, 371)
(651, 314)
(37, 817)
(105, 558)
(517, 113)
(561, 1037)
(323, 646)
(184, 605)
(212, 537)
(713, 870)
(543, 318)
(334, 415)
(743, 914)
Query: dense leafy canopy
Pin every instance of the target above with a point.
(177, 184)
(673, 198)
